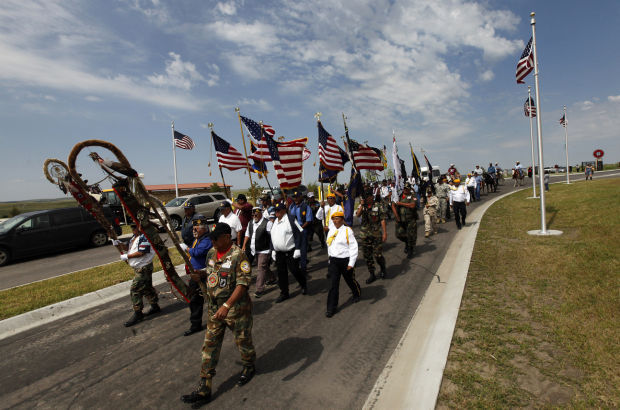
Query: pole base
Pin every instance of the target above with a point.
(548, 232)
(533, 197)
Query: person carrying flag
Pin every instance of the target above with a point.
(406, 215)
(372, 233)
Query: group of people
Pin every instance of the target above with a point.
(279, 230)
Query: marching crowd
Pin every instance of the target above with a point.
(280, 230)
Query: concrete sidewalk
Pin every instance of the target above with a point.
(412, 377)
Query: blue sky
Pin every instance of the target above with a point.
(440, 73)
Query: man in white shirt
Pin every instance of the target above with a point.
(139, 256)
(286, 241)
(459, 200)
(257, 236)
(325, 213)
(342, 250)
(232, 220)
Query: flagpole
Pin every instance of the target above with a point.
(566, 145)
(529, 104)
(246, 155)
(210, 125)
(541, 162)
(262, 163)
(174, 159)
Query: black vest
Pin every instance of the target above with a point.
(263, 239)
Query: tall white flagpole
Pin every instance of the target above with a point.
(566, 145)
(541, 162)
(529, 103)
(174, 156)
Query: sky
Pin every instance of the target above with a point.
(438, 74)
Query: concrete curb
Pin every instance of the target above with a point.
(412, 377)
(47, 314)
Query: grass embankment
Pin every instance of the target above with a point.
(538, 324)
(8, 209)
(36, 295)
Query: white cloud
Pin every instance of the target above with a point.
(227, 8)
(614, 98)
(92, 98)
(585, 105)
(487, 75)
(49, 97)
(262, 104)
(259, 37)
(179, 74)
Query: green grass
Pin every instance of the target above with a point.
(8, 209)
(538, 324)
(36, 295)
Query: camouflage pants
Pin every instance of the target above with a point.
(372, 246)
(430, 220)
(443, 207)
(407, 231)
(239, 321)
(142, 286)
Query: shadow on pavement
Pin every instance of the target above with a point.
(288, 352)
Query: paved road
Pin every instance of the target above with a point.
(34, 269)
(304, 359)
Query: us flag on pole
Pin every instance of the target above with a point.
(563, 121)
(262, 151)
(183, 141)
(227, 156)
(330, 154)
(526, 63)
(287, 160)
(529, 102)
(365, 157)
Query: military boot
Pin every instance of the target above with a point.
(381, 263)
(410, 252)
(246, 375)
(371, 278)
(153, 309)
(200, 396)
(136, 318)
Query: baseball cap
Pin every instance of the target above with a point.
(338, 213)
(188, 205)
(310, 194)
(220, 229)
(257, 208)
(199, 220)
(331, 195)
(241, 197)
(297, 193)
(280, 207)
(225, 204)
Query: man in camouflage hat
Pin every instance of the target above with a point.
(406, 215)
(372, 233)
(224, 283)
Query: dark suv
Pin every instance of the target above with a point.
(51, 230)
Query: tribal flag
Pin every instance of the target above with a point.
(398, 178)
(183, 141)
(261, 151)
(365, 157)
(563, 121)
(526, 63)
(415, 171)
(227, 156)
(287, 160)
(527, 105)
(307, 154)
(331, 156)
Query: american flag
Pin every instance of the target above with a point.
(287, 160)
(183, 141)
(227, 156)
(526, 107)
(365, 157)
(262, 151)
(330, 154)
(526, 63)
(563, 121)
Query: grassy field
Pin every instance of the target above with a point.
(36, 295)
(8, 209)
(538, 325)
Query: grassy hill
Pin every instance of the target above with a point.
(12, 208)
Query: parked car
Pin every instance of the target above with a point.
(39, 232)
(206, 204)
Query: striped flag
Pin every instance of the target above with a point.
(365, 157)
(330, 154)
(227, 156)
(183, 141)
(529, 102)
(526, 63)
(261, 153)
(287, 160)
(563, 121)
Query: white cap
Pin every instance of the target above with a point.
(310, 194)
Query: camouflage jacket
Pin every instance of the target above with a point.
(225, 274)
(371, 220)
(442, 190)
(431, 206)
(407, 214)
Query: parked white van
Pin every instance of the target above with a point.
(436, 173)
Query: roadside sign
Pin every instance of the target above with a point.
(598, 153)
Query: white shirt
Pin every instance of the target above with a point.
(329, 211)
(471, 181)
(140, 261)
(478, 171)
(282, 235)
(460, 194)
(339, 248)
(253, 238)
(233, 221)
(385, 191)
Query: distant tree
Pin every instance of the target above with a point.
(14, 211)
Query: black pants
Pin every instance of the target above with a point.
(195, 305)
(337, 267)
(472, 193)
(285, 263)
(317, 228)
(460, 212)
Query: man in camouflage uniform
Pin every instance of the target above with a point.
(372, 233)
(406, 215)
(430, 213)
(224, 283)
(442, 191)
